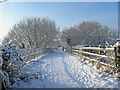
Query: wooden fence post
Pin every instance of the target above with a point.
(89, 49)
(100, 51)
(117, 54)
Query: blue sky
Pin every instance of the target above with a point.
(63, 0)
(65, 14)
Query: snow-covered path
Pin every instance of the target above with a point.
(60, 69)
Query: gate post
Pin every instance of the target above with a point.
(117, 54)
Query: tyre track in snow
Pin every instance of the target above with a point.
(80, 84)
(82, 76)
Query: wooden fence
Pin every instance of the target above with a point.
(102, 57)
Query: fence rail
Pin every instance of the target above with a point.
(96, 54)
(93, 54)
(96, 48)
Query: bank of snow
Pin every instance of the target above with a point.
(60, 69)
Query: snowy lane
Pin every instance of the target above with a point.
(60, 69)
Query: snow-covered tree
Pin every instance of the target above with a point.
(89, 33)
(33, 32)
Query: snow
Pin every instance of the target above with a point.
(61, 69)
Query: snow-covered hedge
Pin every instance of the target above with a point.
(10, 62)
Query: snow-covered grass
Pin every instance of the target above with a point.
(60, 69)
